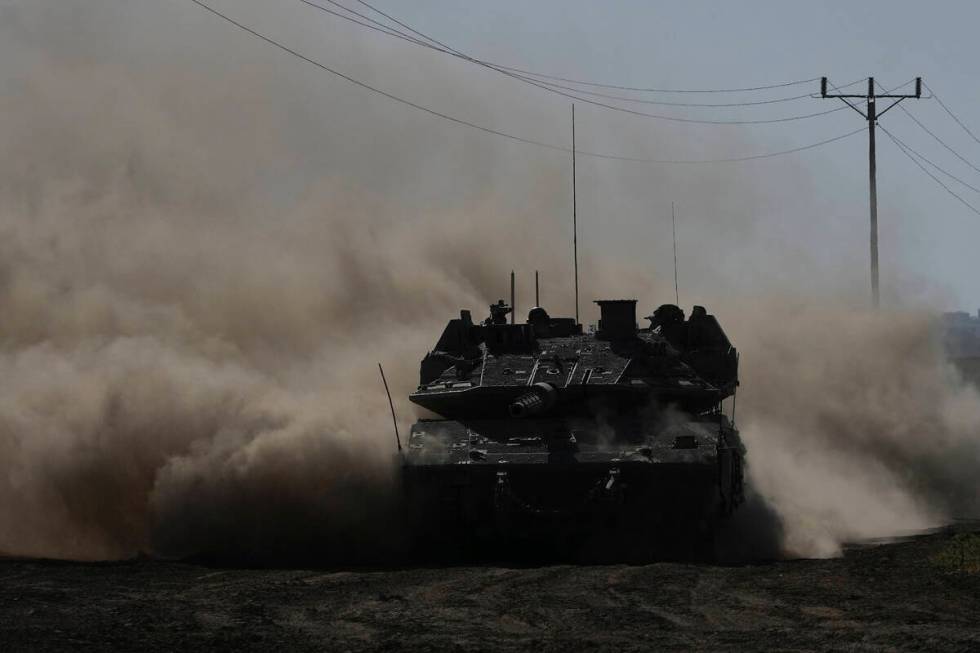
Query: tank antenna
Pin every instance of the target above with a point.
(537, 290)
(513, 298)
(391, 404)
(734, 395)
(673, 225)
(574, 217)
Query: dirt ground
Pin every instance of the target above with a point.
(920, 594)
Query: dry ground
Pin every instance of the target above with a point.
(909, 595)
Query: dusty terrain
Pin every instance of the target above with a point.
(911, 595)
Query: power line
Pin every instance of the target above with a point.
(664, 103)
(641, 89)
(373, 89)
(444, 49)
(408, 27)
(495, 132)
(952, 115)
(550, 88)
(907, 152)
(939, 140)
(936, 138)
(374, 25)
(753, 157)
(441, 47)
(635, 100)
(597, 84)
(378, 27)
(934, 165)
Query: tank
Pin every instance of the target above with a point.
(609, 442)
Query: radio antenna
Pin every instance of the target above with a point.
(537, 290)
(513, 298)
(673, 226)
(574, 217)
(391, 404)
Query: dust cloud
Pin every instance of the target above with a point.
(856, 427)
(175, 378)
(205, 252)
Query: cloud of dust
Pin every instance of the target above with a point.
(856, 426)
(186, 364)
(190, 319)
(171, 381)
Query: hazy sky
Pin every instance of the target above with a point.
(737, 44)
(758, 219)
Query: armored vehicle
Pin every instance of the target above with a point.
(609, 440)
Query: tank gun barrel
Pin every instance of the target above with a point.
(536, 401)
(529, 403)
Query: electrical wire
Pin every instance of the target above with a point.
(642, 89)
(933, 134)
(436, 46)
(551, 88)
(922, 157)
(558, 91)
(384, 29)
(378, 27)
(951, 114)
(939, 140)
(368, 87)
(496, 132)
(664, 103)
(753, 157)
(597, 84)
(907, 152)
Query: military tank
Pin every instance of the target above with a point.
(604, 442)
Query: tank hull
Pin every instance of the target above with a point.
(517, 495)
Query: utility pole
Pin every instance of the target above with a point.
(574, 217)
(871, 115)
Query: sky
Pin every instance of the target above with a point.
(723, 45)
(800, 218)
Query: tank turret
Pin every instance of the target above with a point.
(486, 370)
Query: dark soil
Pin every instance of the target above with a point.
(911, 595)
